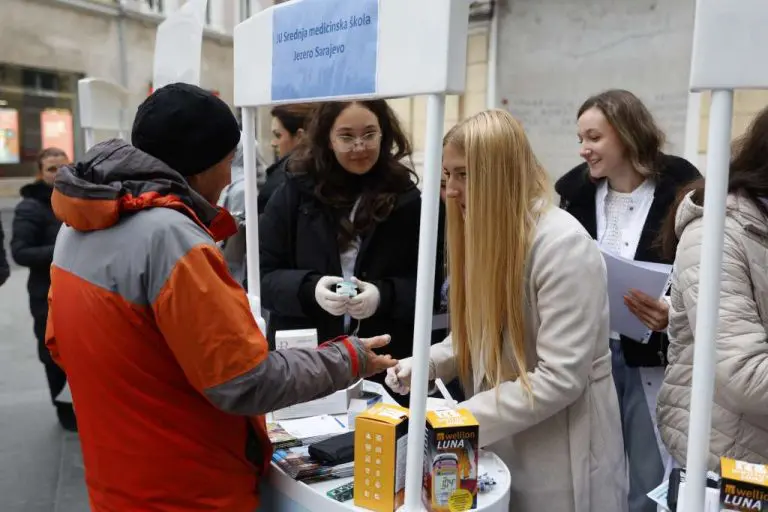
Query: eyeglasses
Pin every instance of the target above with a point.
(347, 143)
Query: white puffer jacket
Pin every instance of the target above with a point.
(740, 410)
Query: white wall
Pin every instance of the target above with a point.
(553, 54)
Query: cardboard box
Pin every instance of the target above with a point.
(381, 441)
(296, 338)
(335, 403)
(450, 461)
(743, 486)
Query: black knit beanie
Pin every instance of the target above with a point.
(187, 127)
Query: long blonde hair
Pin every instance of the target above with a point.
(488, 246)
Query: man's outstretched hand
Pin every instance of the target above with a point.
(375, 363)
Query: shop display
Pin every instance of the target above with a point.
(381, 443)
(743, 486)
(450, 461)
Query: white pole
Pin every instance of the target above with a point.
(252, 215)
(492, 99)
(692, 127)
(89, 139)
(715, 193)
(425, 282)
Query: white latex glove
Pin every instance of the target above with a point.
(398, 378)
(366, 302)
(328, 299)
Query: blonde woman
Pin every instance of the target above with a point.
(530, 294)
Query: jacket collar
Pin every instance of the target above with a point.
(116, 179)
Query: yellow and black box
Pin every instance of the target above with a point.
(743, 485)
(450, 461)
(381, 441)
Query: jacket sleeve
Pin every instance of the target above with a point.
(206, 321)
(397, 294)
(5, 269)
(28, 224)
(50, 335)
(742, 345)
(569, 275)
(285, 290)
(443, 361)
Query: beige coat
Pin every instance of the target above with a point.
(740, 409)
(565, 453)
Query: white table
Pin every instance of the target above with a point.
(281, 493)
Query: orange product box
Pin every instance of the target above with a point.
(450, 461)
(381, 442)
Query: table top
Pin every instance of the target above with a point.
(313, 496)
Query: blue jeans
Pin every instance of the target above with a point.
(646, 469)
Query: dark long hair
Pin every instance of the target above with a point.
(381, 186)
(293, 117)
(747, 176)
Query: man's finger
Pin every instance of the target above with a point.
(384, 362)
(377, 341)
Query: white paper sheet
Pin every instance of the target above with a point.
(305, 428)
(624, 274)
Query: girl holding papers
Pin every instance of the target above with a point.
(739, 421)
(621, 195)
(529, 320)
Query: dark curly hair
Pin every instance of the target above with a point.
(378, 189)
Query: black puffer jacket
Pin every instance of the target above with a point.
(297, 245)
(34, 235)
(275, 178)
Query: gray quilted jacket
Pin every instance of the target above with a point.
(740, 409)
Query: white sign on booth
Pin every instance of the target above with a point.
(325, 49)
(179, 45)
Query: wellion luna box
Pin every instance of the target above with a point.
(450, 461)
(381, 442)
(743, 486)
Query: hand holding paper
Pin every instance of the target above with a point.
(653, 313)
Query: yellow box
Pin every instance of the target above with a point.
(743, 486)
(450, 461)
(381, 441)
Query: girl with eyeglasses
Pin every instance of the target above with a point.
(348, 212)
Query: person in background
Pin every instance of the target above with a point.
(233, 200)
(169, 371)
(5, 269)
(621, 194)
(33, 238)
(529, 320)
(348, 211)
(288, 127)
(739, 420)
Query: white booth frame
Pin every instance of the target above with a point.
(409, 63)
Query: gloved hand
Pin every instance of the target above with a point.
(398, 378)
(366, 302)
(327, 298)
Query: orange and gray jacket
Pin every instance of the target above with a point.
(168, 370)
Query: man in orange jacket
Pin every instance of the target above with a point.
(168, 370)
